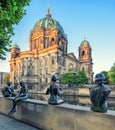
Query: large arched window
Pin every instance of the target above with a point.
(40, 62)
(11, 68)
(30, 71)
(48, 44)
(46, 62)
(34, 45)
(53, 61)
(52, 41)
(83, 53)
(40, 71)
(46, 80)
(45, 42)
(40, 40)
(46, 71)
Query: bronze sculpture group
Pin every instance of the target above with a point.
(23, 94)
(7, 91)
(98, 94)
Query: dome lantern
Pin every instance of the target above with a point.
(48, 13)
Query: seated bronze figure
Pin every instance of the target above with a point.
(23, 94)
(8, 91)
(54, 92)
(99, 95)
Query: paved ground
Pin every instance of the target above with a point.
(7, 123)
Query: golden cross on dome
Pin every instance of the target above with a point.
(84, 38)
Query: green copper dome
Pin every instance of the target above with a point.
(48, 23)
(85, 42)
(15, 46)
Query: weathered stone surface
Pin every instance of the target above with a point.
(61, 117)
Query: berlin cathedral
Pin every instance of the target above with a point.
(47, 56)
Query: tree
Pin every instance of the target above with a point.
(72, 79)
(11, 12)
(111, 74)
(67, 78)
(106, 77)
(81, 78)
(6, 78)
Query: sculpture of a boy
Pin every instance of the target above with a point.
(99, 94)
(54, 92)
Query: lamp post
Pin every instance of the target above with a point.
(1, 77)
(37, 69)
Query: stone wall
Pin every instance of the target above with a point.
(62, 117)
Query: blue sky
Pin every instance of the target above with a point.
(93, 19)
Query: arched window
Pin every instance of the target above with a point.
(45, 42)
(53, 61)
(46, 71)
(34, 44)
(30, 71)
(46, 80)
(52, 41)
(40, 72)
(40, 63)
(11, 68)
(59, 42)
(48, 44)
(46, 62)
(40, 40)
(83, 53)
(40, 80)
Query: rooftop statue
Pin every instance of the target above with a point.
(23, 94)
(54, 91)
(99, 94)
(8, 91)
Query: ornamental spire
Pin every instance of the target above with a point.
(48, 12)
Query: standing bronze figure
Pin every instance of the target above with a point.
(54, 92)
(99, 95)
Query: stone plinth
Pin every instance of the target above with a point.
(62, 117)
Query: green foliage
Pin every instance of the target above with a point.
(106, 77)
(11, 12)
(67, 78)
(81, 78)
(72, 79)
(111, 74)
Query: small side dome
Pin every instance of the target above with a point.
(15, 51)
(15, 46)
(85, 42)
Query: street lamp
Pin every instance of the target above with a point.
(1, 77)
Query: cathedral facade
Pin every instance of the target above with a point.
(48, 56)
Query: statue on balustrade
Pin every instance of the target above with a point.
(99, 94)
(54, 90)
(23, 94)
(8, 91)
